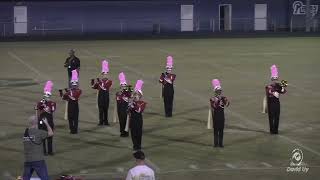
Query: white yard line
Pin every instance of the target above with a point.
(266, 164)
(30, 67)
(229, 165)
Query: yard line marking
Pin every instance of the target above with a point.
(120, 169)
(266, 164)
(192, 166)
(299, 144)
(33, 69)
(231, 166)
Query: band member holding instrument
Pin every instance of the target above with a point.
(122, 98)
(273, 92)
(72, 96)
(136, 107)
(218, 103)
(167, 79)
(44, 110)
(103, 85)
(72, 63)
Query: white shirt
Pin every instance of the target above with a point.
(140, 172)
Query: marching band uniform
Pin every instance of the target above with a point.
(136, 108)
(167, 79)
(72, 95)
(103, 86)
(45, 109)
(122, 98)
(218, 103)
(273, 92)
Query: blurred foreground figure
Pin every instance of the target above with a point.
(122, 98)
(141, 170)
(136, 107)
(218, 103)
(167, 79)
(72, 63)
(103, 86)
(72, 96)
(273, 91)
(44, 110)
(33, 150)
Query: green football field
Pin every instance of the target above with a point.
(178, 147)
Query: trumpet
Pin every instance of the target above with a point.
(283, 83)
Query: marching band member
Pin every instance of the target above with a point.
(122, 98)
(72, 96)
(136, 108)
(44, 110)
(167, 79)
(103, 85)
(273, 92)
(218, 103)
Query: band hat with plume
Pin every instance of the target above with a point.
(105, 67)
(48, 88)
(169, 62)
(216, 84)
(274, 72)
(122, 79)
(139, 86)
(74, 77)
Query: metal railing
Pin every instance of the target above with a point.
(151, 26)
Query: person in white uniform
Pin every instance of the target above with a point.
(141, 171)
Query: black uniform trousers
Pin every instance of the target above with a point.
(136, 123)
(103, 105)
(168, 94)
(73, 116)
(218, 126)
(273, 114)
(122, 107)
(48, 141)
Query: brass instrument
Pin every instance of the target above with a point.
(283, 83)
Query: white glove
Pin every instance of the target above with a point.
(282, 89)
(276, 94)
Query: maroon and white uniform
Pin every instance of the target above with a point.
(72, 96)
(136, 122)
(273, 92)
(103, 86)
(167, 80)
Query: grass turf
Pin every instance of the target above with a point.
(179, 147)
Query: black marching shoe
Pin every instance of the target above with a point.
(51, 153)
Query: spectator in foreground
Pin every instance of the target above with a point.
(33, 149)
(141, 170)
